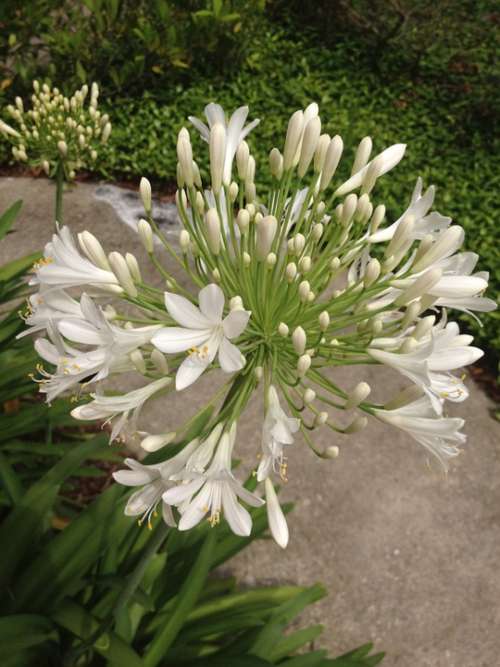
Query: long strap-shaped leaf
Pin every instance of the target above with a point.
(188, 595)
(19, 532)
(78, 621)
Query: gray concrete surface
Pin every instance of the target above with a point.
(411, 560)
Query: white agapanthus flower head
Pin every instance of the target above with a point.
(278, 287)
(57, 132)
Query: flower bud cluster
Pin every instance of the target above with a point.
(57, 131)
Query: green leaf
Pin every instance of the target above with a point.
(7, 219)
(21, 631)
(77, 620)
(21, 529)
(61, 565)
(188, 594)
(10, 481)
(17, 267)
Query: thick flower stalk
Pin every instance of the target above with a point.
(285, 288)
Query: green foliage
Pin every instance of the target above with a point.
(127, 45)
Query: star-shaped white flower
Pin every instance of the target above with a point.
(203, 332)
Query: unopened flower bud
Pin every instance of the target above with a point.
(317, 231)
(424, 327)
(259, 373)
(137, 358)
(324, 320)
(271, 260)
(233, 191)
(213, 230)
(133, 266)
(243, 220)
(332, 159)
(309, 396)
(370, 178)
(356, 425)
(420, 287)
(447, 243)
(309, 144)
(377, 217)
(320, 154)
(321, 418)
(200, 203)
(408, 345)
(216, 275)
(331, 452)
(364, 208)
(283, 329)
(303, 365)
(291, 271)
(363, 153)
(62, 147)
(372, 272)
(145, 234)
(299, 243)
(236, 303)
(357, 395)
(217, 147)
(106, 133)
(159, 361)
(402, 235)
(247, 260)
(276, 163)
(185, 157)
(349, 209)
(242, 155)
(293, 137)
(305, 264)
(93, 249)
(145, 191)
(335, 264)
(46, 167)
(304, 289)
(184, 240)
(265, 232)
(122, 272)
(299, 340)
(153, 443)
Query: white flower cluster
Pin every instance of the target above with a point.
(287, 287)
(57, 130)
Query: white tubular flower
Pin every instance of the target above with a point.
(418, 211)
(439, 435)
(235, 132)
(213, 492)
(49, 306)
(387, 160)
(428, 365)
(277, 433)
(203, 332)
(111, 407)
(275, 516)
(63, 266)
(154, 481)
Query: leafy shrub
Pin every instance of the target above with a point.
(127, 45)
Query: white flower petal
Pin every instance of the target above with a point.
(230, 358)
(177, 339)
(387, 160)
(178, 494)
(234, 324)
(184, 312)
(140, 501)
(237, 516)
(197, 509)
(275, 516)
(132, 477)
(211, 300)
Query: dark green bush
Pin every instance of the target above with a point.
(126, 45)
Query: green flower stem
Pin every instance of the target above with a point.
(59, 193)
